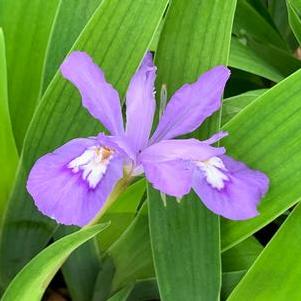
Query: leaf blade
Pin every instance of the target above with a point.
(60, 116)
(8, 151)
(264, 281)
(31, 282)
(24, 76)
(275, 118)
(181, 58)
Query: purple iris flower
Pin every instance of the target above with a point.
(72, 183)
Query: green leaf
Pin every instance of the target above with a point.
(122, 295)
(249, 23)
(294, 10)
(184, 240)
(261, 7)
(61, 117)
(269, 142)
(236, 262)
(27, 26)
(72, 17)
(145, 289)
(188, 46)
(233, 105)
(279, 13)
(8, 151)
(87, 258)
(276, 273)
(280, 59)
(242, 256)
(140, 290)
(131, 253)
(121, 214)
(230, 280)
(31, 282)
(244, 58)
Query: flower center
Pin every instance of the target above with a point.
(93, 164)
(213, 170)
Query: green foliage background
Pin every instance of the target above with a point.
(149, 251)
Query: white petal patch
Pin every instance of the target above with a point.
(93, 164)
(213, 170)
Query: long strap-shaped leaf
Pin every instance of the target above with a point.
(72, 17)
(8, 150)
(248, 21)
(185, 236)
(33, 279)
(266, 135)
(61, 117)
(276, 273)
(27, 26)
(294, 9)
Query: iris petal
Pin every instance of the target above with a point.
(192, 104)
(171, 177)
(140, 104)
(63, 194)
(168, 164)
(241, 193)
(98, 96)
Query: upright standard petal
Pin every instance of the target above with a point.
(169, 166)
(98, 96)
(192, 104)
(140, 104)
(229, 188)
(71, 185)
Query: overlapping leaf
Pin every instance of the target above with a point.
(27, 26)
(276, 273)
(269, 141)
(179, 232)
(33, 279)
(8, 150)
(60, 116)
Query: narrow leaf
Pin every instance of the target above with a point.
(61, 117)
(276, 273)
(269, 142)
(131, 253)
(8, 150)
(233, 105)
(33, 279)
(187, 263)
(72, 17)
(294, 9)
(244, 58)
(27, 26)
(248, 22)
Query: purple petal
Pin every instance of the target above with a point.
(186, 149)
(98, 96)
(120, 143)
(167, 164)
(140, 104)
(241, 194)
(192, 104)
(171, 177)
(62, 194)
(216, 137)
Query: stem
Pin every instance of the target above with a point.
(117, 191)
